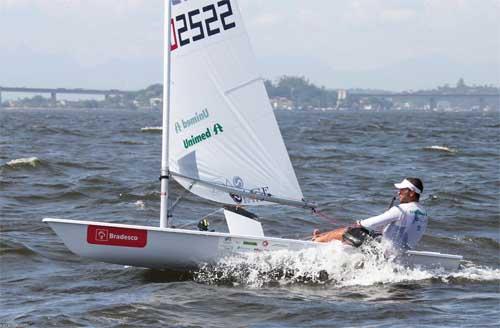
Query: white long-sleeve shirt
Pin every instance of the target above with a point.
(403, 225)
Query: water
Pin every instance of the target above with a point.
(104, 164)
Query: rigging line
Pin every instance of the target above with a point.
(178, 199)
(174, 204)
(206, 216)
(392, 202)
(324, 216)
(212, 213)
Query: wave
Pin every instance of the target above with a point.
(128, 142)
(15, 249)
(319, 157)
(62, 130)
(441, 148)
(484, 242)
(152, 129)
(97, 180)
(329, 265)
(24, 162)
(472, 272)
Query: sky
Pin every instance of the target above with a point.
(378, 44)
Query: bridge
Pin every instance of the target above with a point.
(425, 95)
(54, 92)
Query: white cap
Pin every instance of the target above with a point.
(407, 184)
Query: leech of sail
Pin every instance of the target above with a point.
(256, 195)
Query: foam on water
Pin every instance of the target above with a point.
(29, 161)
(441, 148)
(470, 271)
(331, 265)
(140, 204)
(151, 129)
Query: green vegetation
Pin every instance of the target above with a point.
(462, 88)
(301, 92)
(292, 92)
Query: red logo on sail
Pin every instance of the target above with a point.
(100, 235)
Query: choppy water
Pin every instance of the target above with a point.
(104, 165)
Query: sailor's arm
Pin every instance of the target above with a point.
(380, 221)
(374, 223)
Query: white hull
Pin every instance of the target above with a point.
(162, 248)
(431, 260)
(178, 249)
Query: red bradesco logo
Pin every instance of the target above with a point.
(113, 236)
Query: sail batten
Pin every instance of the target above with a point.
(222, 126)
(244, 84)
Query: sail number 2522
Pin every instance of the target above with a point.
(201, 23)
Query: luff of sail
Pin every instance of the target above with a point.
(222, 127)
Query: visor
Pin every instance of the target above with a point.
(407, 184)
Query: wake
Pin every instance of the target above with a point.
(330, 265)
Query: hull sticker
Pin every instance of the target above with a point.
(113, 236)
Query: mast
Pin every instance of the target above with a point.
(164, 176)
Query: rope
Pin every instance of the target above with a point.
(206, 216)
(392, 202)
(326, 217)
(212, 213)
(178, 199)
(323, 216)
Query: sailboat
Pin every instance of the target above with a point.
(220, 141)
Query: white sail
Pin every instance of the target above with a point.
(222, 127)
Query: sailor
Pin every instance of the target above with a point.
(402, 225)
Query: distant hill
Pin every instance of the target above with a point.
(290, 92)
(304, 94)
(412, 74)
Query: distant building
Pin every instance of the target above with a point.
(155, 102)
(282, 103)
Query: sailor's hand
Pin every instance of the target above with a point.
(316, 234)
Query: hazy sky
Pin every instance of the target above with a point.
(398, 45)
